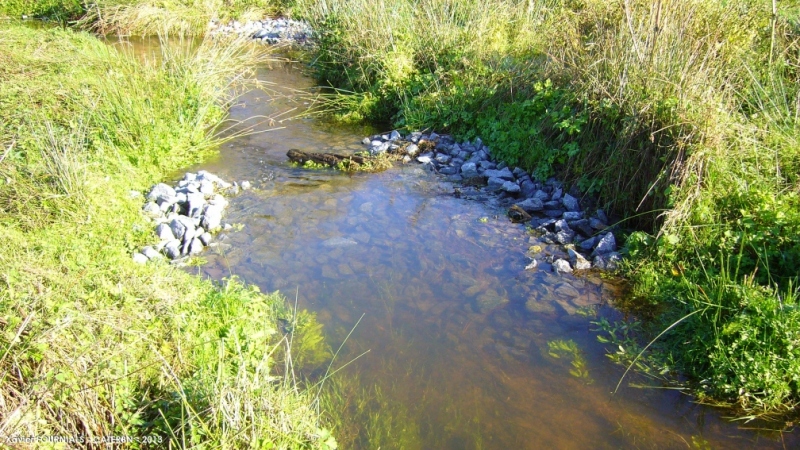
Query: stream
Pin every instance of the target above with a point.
(466, 348)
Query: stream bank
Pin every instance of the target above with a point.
(465, 348)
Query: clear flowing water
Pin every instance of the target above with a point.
(463, 341)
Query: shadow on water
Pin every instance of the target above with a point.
(467, 349)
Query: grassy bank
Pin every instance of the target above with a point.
(680, 115)
(91, 343)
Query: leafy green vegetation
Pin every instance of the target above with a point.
(568, 349)
(683, 116)
(60, 10)
(91, 343)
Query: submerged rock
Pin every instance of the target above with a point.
(339, 242)
(490, 300)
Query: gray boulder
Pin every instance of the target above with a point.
(504, 174)
(173, 249)
(605, 245)
(212, 217)
(205, 238)
(578, 261)
(528, 188)
(442, 158)
(206, 187)
(486, 165)
(572, 215)
(582, 225)
(561, 266)
(511, 187)
(152, 210)
(531, 205)
(383, 147)
(607, 262)
(597, 224)
(178, 228)
(196, 203)
(195, 247)
(553, 204)
(395, 136)
(542, 195)
(151, 253)
(164, 232)
(570, 202)
(495, 184)
(160, 190)
(412, 149)
(565, 237)
(469, 170)
(189, 234)
(588, 244)
(424, 159)
(139, 258)
(555, 213)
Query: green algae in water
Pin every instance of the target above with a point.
(568, 350)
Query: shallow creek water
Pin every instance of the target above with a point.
(457, 330)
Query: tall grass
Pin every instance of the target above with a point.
(183, 17)
(681, 114)
(92, 344)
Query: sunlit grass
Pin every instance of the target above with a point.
(91, 343)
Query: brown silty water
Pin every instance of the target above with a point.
(466, 347)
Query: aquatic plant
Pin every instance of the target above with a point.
(568, 349)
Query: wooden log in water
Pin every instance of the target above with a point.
(327, 159)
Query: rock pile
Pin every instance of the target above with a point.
(186, 215)
(557, 215)
(270, 31)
